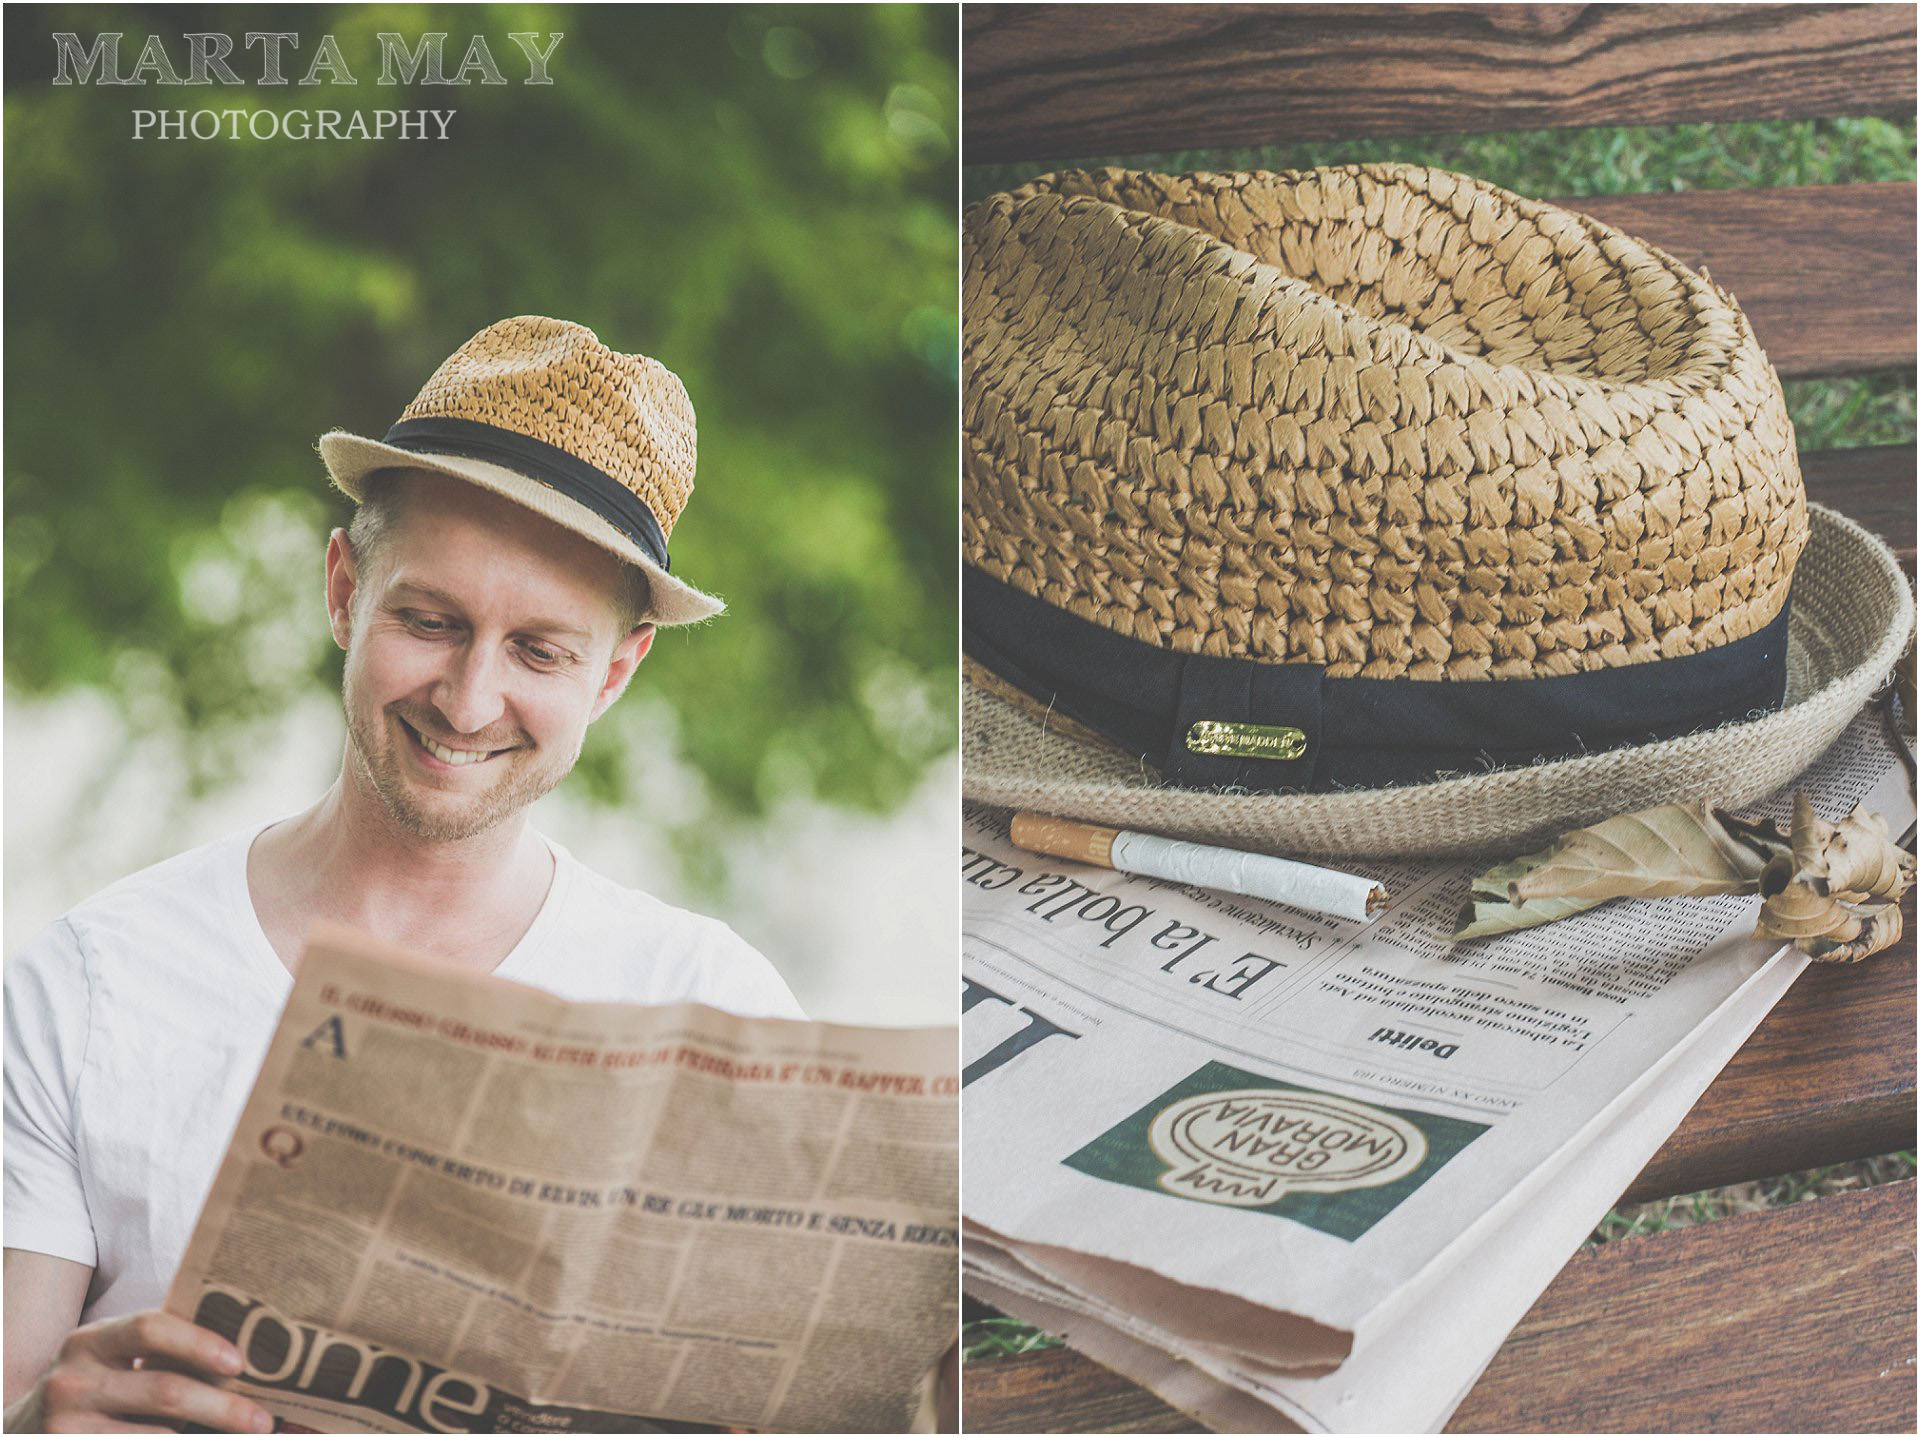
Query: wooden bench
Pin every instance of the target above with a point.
(1793, 1319)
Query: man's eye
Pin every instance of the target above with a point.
(427, 624)
(542, 655)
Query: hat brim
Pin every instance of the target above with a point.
(1852, 618)
(351, 458)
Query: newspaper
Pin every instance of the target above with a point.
(1255, 1158)
(1456, 1331)
(456, 1204)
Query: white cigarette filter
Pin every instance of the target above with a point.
(1229, 870)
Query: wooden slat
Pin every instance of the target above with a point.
(1871, 486)
(1794, 1320)
(1825, 272)
(1059, 1391)
(1047, 82)
(1827, 1076)
(1798, 1319)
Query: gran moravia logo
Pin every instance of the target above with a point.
(1248, 1147)
(1231, 1138)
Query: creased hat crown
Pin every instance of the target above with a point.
(1385, 419)
(551, 380)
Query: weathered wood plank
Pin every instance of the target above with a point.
(1795, 1320)
(1798, 1319)
(1871, 486)
(1825, 272)
(1827, 1076)
(1058, 1390)
(1045, 82)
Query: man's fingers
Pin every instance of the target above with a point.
(159, 1334)
(120, 1376)
(134, 1395)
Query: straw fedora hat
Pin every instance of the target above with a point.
(1376, 510)
(541, 412)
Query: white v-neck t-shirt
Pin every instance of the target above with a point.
(136, 1024)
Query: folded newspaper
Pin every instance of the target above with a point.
(456, 1204)
(1296, 1173)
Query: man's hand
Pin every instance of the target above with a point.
(103, 1377)
(95, 1385)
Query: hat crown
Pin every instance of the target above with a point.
(1389, 420)
(552, 380)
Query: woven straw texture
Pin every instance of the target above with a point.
(552, 380)
(625, 414)
(1382, 418)
(1852, 617)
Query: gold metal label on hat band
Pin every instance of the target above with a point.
(1246, 740)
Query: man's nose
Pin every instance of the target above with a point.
(470, 695)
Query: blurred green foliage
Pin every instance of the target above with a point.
(762, 197)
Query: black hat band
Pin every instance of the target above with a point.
(1210, 722)
(593, 489)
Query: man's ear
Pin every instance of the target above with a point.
(626, 658)
(341, 580)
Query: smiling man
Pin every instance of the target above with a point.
(502, 578)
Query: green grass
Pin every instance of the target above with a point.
(1692, 1209)
(1826, 413)
(1851, 413)
(1612, 160)
(1001, 1337)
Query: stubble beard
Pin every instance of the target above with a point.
(374, 751)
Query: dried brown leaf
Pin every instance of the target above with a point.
(1495, 881)
(1489, 911)
(1761, 835)
(1676, 850)
(1688, 850)
(1486, 917)
(1798, 912)
(1828, 928)
(1881, 931)
(1854, 857)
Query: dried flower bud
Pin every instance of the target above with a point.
(1827, 928)
(1853, 858)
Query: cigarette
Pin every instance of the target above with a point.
(1229, 870)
